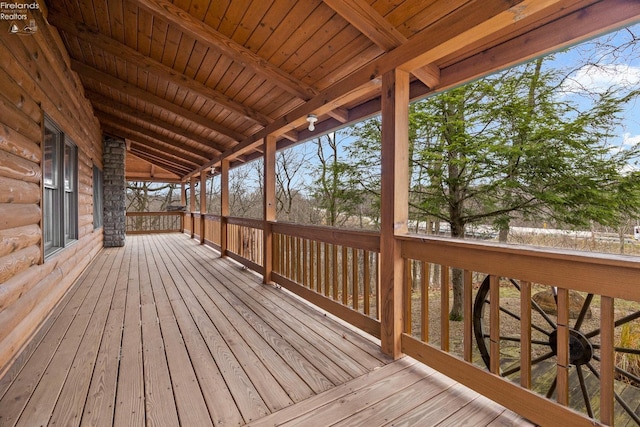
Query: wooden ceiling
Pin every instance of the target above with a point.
(188, 82)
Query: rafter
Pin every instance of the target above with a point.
(158, 160)
(375, 27)
(134, 91)
(115, 48)
(220, 43)
(104, 103)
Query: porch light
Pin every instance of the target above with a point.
(312, 119)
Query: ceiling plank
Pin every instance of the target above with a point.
(220, 43)
(134, 91)
(380, 31)
(101, 102)
(115, 48)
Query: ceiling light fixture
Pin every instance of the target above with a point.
(312, 119)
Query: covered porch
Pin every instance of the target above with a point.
(165, 332)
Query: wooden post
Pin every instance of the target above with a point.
(192, 204)
(269, 207)
(224, 205)
(394, 205)
(183, 201)
(203, 203)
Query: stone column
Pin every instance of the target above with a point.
(115, 206)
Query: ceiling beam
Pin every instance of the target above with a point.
(129, 89)
(220, 43)
(377, 29)
(104, 103)
(117, 49)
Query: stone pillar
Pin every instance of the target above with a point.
(115, 206)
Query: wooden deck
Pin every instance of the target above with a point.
(163, 332)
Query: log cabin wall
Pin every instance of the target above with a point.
(36, 80)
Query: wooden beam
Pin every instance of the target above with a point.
(133, 131)
(103, 103)
(224, 205)
(153, 159)
(133, 91)
(203, 203)
(377, 29)
(394, 203)
(162, 9)
(269, 206)
(158, 154)
(143, 62)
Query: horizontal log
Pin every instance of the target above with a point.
(12, 166)
(17, 262)
(20, 99)
(14, 239)
(16, 143)
(18, 191)
(18, 215)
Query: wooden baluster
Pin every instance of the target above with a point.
(355, 288)
(444, 308)
(406, 291)
(467, 295)
(607, 360)
(345, 276)
(366, 283)
(494, 324)
(424, 301)
(562, 388)
(525, 334)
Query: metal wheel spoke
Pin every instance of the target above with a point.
(583, 311)
(511, 339)
(510, 313)
(626, 319)
(544, 315)
(625, 350)
(542, 358)
(626, 407)
(585, 393)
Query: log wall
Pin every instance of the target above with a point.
(36, 79)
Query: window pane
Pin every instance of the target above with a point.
(50, 157)
(69, 168)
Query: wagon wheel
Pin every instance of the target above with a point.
(584, 347)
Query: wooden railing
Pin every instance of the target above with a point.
(154, 222)
(512, 348)
(507, 347)
(335, 269)
(244, 242)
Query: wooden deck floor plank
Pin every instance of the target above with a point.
(41, 337)
(361, 349)
(313, 404)
(220, 402)
(130, 396)
(159, 398)
(400, 401)
(479, 411)
(247, 398)
(191, 405)
(261, 338)
(343, 408)
(99, 407)
(436, 408)
(21, 387)
(70, 405)
(43, 399)
(304, 339)
(263, 379)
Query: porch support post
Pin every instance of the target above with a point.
(192, 204)
(183, 201)
(203, 203)
(269, 208)
(224, 205)
(394, 205)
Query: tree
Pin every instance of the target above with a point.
(333, 188)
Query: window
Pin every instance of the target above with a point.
(97, 197)
(60, 178)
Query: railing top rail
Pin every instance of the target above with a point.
(246, 222)
(156, 213)
(359, 239)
